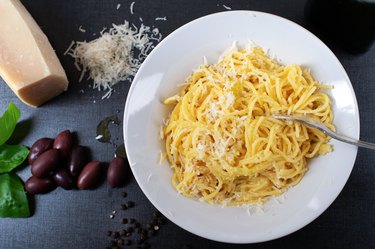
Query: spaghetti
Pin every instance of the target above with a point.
(221, 140)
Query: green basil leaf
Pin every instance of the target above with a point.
(8, 122)
(11, 156)
(13, 200)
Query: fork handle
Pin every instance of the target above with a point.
(350, 140)
(328, 132)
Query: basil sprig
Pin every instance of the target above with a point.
(13, 200)
(8, 122)
(11, 156)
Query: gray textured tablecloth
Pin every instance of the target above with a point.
(80, 219)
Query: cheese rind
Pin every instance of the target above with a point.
(28, 63)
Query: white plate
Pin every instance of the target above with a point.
(168, 66)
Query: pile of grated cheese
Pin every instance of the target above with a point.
(115, 55)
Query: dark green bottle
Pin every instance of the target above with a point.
(349, 23)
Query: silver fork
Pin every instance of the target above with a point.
(320, 126)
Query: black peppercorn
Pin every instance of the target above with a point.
(120, 242)
(124, 206)
(116, 235)
(124, 221)
(124, 194)
(143, 237)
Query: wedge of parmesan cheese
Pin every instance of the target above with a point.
(28, 63)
